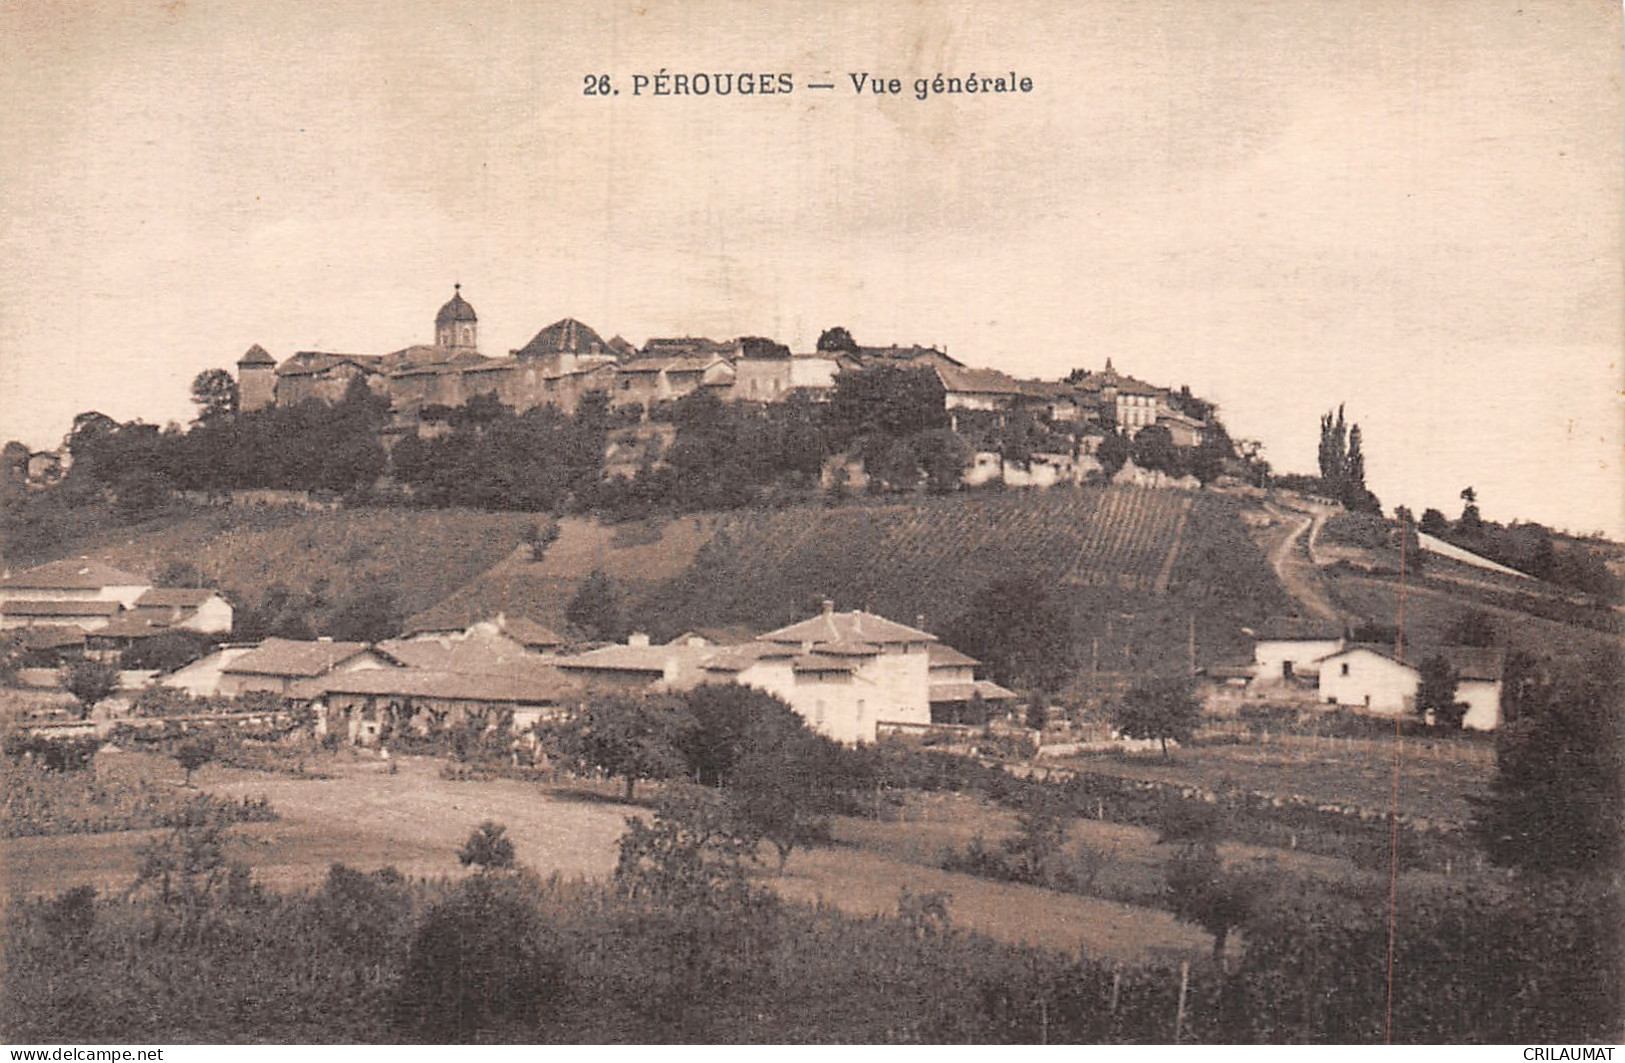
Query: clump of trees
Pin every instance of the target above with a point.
(1019, 628)
(1557, 801)
(1342, 464)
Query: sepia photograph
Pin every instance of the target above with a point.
(549, 522)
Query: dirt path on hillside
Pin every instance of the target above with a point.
(1294, 562)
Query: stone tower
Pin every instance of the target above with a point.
(256, 379)
(455, 326)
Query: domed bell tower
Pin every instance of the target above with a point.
(456, 326)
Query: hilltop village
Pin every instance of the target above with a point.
(568, 360)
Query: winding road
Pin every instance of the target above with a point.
(1293, 559)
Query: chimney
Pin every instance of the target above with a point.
(637, 638)
(829, 607)
(919, 621)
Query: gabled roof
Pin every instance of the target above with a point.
(565, 336)
(942, 655)
(1298, 629)
(853, 627)
(528, 632)
(1468, 662)
(256, 355)
(74, 574)
(678, 363)
(739, 658)
(80, 607)
(176, 597)
(621, 346)
(963, 380)
(474, 655)
(912, 353)
(295, 657)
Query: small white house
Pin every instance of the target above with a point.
(1371, 677)
(1287, 649)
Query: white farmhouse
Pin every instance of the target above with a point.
(1290, 648)
(1373, 678)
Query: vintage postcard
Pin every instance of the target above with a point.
(722, 522)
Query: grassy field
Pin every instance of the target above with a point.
(1430, 612)
(416, 820)
(1435, 776)
(421, 556)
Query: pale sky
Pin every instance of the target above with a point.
(1411, 208)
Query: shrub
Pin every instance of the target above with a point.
(488, 848)
(481, 964)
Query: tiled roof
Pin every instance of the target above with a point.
(681, 363)
(942, 655)
(739, 658)
(293, 657)
(474, 655)
(688, 661)
(531, 687)
(989, 691)
(176, 597)
(52, 636)
(256, 355)
(855, 626)
(310, 363)
(911, 353)
(130, 627)
(1298, 629)
(74, 574)
(818, 662)
(54, 608)
(566, 336)
(528, 632)
(979, 381)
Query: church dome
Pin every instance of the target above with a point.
(457, 309)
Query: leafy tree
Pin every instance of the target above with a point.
(627, 735)
(885, 400)
(1020, 630)
(728, 720)
(89, 682)
(595, 609)
(762, 347)
(1200, 889)
(1018, 438)
(1471, 523)
(787, 780)
(693, 857)
(165, 651)
(1153, 448)
(1342, 463)
(1472, 628)
(1557, 801)
(1037, 715)
(1436, 694)
(943, 455)
(836, 340)
(1163, 708)
(483, 961)
(193, 755)
(1434, 522)
(369, 617)
(1113, 452)
(488, 848)
(1410, 546)
(214, 392)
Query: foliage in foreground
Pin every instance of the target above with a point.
(36, 801)
(504, 956)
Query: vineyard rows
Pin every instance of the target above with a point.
(930, 557)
